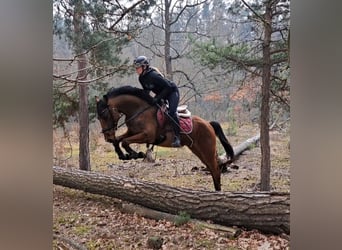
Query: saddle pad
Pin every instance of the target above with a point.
(184, 122)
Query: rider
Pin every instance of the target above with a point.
(152, 80)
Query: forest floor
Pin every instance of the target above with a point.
(86, 221)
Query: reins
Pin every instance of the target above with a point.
(110, 128)
(107, 129)
(134, 116)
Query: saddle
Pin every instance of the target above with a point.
(184, 117)
(182, 111)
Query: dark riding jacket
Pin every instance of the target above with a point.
(151, 80)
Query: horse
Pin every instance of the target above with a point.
(143, 127)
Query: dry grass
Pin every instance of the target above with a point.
(175, 166)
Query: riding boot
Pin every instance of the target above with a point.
(176, 141)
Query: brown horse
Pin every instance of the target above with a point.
(143, 127)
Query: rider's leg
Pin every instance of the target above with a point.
(173, 104)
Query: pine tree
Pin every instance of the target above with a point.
(96, 32)
(261, 50)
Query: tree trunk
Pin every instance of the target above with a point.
(265, 109)
(167, 48)
(84, 157)
(268, 212)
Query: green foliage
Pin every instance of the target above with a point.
(65, 105)
(182, 219)
(233, 127)
(92, 33)
(232, 56)
(245, 54)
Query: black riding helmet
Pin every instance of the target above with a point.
(140, 61)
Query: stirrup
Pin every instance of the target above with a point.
(176, 142)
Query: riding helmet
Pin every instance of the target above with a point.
(140, 61)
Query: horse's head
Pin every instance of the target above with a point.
(108, 118)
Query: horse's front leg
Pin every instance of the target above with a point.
(131, 154)
(137, 138)
(118, 150)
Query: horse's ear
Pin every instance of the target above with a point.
(97, 99)
(105, 98)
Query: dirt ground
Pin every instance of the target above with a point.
(86, 221)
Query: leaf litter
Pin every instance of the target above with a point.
(87, 221)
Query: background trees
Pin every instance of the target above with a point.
(96, 32)
(230, 59)
(171, 23)
(262, 52)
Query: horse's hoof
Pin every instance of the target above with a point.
(141, 155)
(133, 156)
(124, 157)
(224, 169)
(233, 166)
(194, 169)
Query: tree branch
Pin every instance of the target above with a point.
(254, 12)
(183, 9)
(123, 67)
(126, 11)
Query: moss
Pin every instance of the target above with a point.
(207, 244)
(67, 219)
(81, 230)
(182, 219)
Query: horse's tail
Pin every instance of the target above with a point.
(225, 143)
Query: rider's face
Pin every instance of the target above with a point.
(139, 70)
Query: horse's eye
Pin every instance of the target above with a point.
(103, 113)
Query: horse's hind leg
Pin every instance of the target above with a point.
(216, 175)
(208, 157)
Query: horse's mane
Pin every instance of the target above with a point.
(129, 90)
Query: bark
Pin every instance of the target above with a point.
(246, 144)
(84, 156)
(265, 211)
(167, 48)
(156, 215)
(265, 108)
(241, 147)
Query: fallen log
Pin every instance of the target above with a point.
(241, 148)
(246, 144)
(267, 212)
(157, 215)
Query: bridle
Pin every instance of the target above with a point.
(115, 123)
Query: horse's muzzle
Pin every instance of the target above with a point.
(109, 140)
